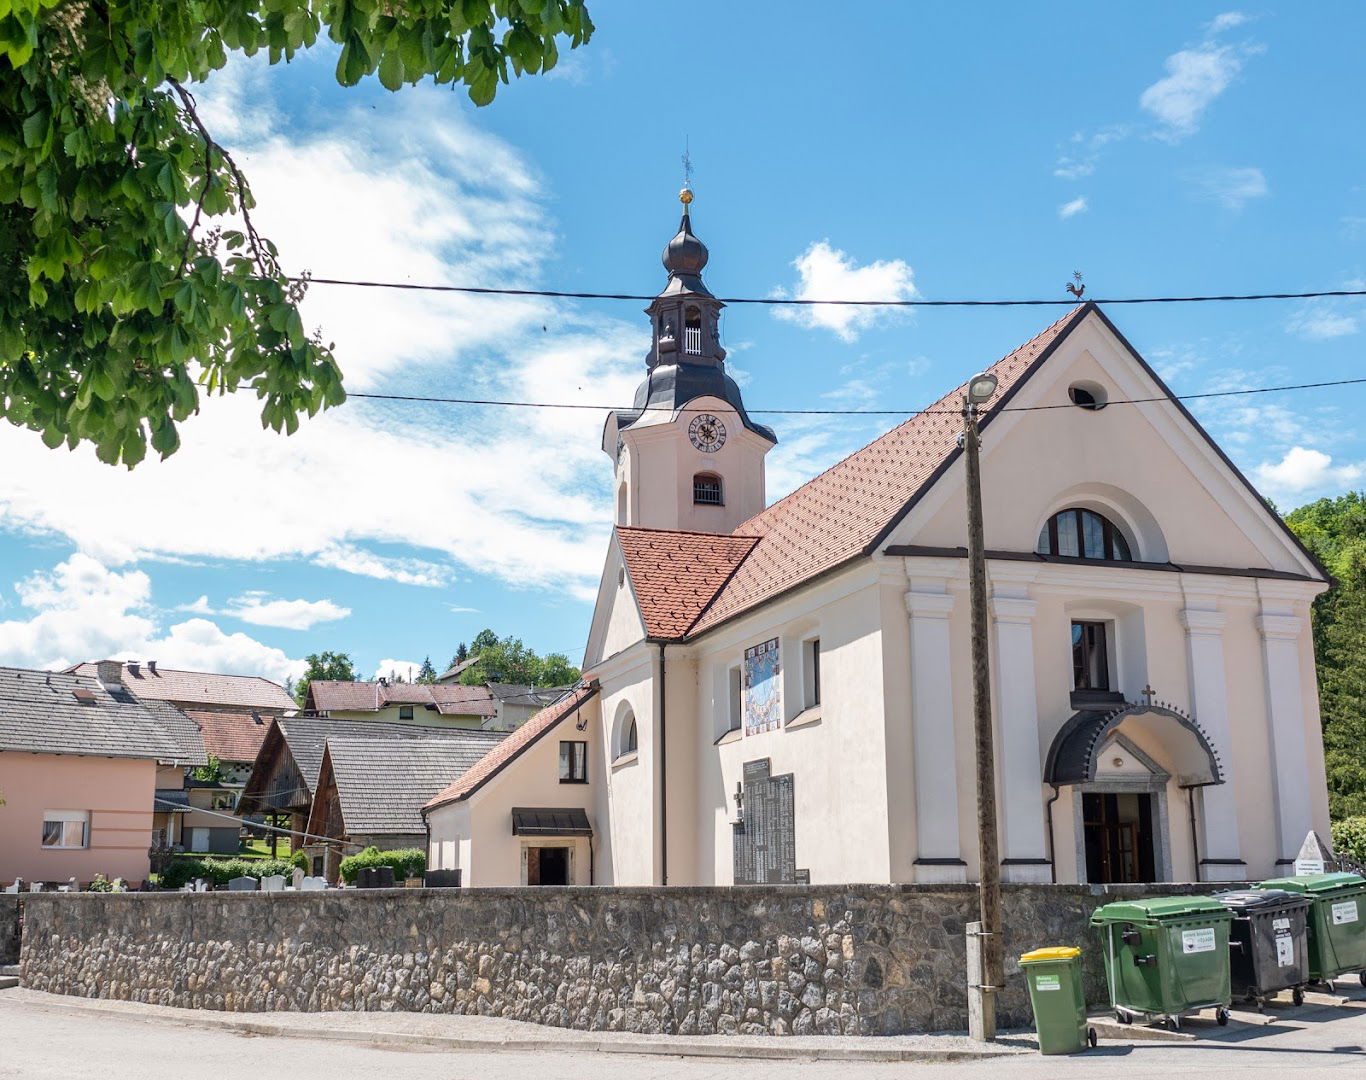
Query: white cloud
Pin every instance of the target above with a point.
(407, 670)
(1321, 324)
(1233, 188)
(1302, 470)
(1227, 21)
(826, 273)
(82, 610)
(1195, 77)
(260, 609)
(1070, 209)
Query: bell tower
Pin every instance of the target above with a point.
(687, 455)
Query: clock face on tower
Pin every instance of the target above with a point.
(707, 433)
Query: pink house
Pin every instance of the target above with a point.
(78, 774)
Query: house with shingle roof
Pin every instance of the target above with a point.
(784, 692)
(80, 761)
(436, 705)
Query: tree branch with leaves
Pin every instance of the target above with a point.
(132, 278)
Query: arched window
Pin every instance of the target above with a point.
(1083, 534)
(626, 739)
(621, 505)
(692, 331)
(706, 490)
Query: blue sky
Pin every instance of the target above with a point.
(942, 151)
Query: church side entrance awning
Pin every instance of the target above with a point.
(1076, 750)
(550, 821)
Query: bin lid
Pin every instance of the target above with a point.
(1315, 883)
(1250, 899)
(1157, 907)
(1053, 952)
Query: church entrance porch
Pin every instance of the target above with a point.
(1118, 837)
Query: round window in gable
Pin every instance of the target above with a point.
(1088, 395)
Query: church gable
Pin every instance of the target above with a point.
(1148, 470)
(617, 623)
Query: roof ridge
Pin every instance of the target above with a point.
(690, 532)
(928, 409)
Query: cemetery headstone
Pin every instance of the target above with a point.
(314, 884)
(242, 884)
(1314, 856)
(297, 878)
(273, 883)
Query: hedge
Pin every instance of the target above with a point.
(184, 869)
(407, 862)
(1349, 838)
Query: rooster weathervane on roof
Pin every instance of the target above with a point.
(1075, 287)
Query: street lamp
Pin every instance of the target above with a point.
(991, 971)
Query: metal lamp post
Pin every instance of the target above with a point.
(990, 970)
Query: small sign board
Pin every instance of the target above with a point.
(1194, 941)
(1313, 857)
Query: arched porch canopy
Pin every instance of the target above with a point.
(1076, 750)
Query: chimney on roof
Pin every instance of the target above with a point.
(152, 666)
(133, 668)
(109, 672)
(383, 681)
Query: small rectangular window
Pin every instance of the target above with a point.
(811, 675)
(573, 762)
(735, 705)
(66, 829)
(405, 712)
(1090, 657)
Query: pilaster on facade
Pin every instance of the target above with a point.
(1281, 642)
(938, 851)
(1023, 845)
(1219, 843)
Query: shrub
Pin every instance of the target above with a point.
(407, 862)
(1349, 838)
(184, 869)
(101, 884)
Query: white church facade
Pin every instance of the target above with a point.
(782, 693)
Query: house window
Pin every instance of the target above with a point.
(405, 712)
(811, 672)
(66, 829)
(1083, 534)
(706, 490)
(1090, 657)
(735, 703)
(573, 762)
(625, 738)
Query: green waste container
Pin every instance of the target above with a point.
(1337, 922)
(1058, 999)
(1165, 957)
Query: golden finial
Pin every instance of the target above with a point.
(685, 196)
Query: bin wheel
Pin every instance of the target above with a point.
(1297, 995)
(1362, 977)
(1124, 1016)
(1091, 1037)
(1221, 1017)
(1173, 1023)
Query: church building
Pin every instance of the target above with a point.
(782, 693)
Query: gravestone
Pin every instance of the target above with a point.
(375, 877)
(273, 883)
(72, 885)
(297, 879)
(119, 885)
(200, 885)
(242, 884)
(766, 837)
(442, 879)
(313, 884)
(17, 887)
(36, 886)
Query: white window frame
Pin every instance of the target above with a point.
(66, 818)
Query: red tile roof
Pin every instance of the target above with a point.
(232, 735)
(330, 695)
(689, 582)
(512, 747)
(676, 574)
(200, 687)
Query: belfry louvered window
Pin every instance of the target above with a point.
(692, 332)
(706, 490)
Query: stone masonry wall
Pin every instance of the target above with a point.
(9, 929)
(865, 960)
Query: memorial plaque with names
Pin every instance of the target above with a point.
(766, 840)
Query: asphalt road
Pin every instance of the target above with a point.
(39, 1041)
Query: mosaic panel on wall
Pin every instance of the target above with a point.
(763, 687)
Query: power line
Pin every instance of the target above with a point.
(849, 412)
(777, 301)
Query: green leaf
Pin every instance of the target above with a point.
(391, 70)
